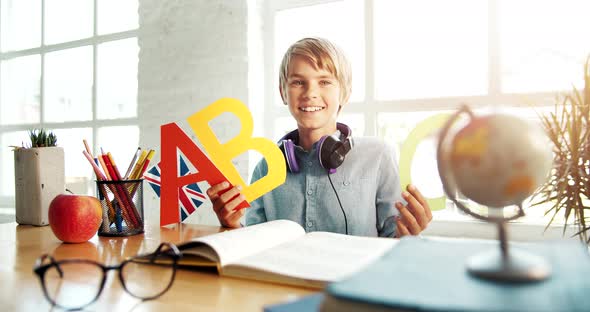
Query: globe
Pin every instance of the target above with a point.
(499, 160)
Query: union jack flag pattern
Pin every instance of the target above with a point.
(190, 196)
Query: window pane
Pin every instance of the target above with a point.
(78, 170)
(546, 52)
(121, 142)
(117, 79)
(395, 127)
(68, 85)
(20, 24)
(341, 22)
(20, 90)
(116, 15)
(7, 158)
(283, 125)
(68, 20)
(430, 48)
(356, 123)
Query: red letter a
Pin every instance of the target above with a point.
(172, 139)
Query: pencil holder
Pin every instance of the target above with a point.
(122, 207)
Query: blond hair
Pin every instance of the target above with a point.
(323, 55)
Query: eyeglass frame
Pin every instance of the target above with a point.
(40, 269)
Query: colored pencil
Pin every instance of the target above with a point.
(118, 191)
(114, 166)
(104, 167)
(132, 163)
(138, 165)
(109, 214)
(99, 175)
(125, 201)
(146, 163)
(144, 168)
(87, 148)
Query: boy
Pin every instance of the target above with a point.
(336, 182)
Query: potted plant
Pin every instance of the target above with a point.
(39, 174)
(567, 189)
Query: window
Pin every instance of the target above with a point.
(423, 52)
(544, 53)
(69, 66)
(414, 59)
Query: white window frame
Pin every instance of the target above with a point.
(42, 50)
(371, 107)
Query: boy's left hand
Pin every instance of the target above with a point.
(415, 216)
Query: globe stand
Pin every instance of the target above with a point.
(506, 265)
(501, 264)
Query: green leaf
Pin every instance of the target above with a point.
(567, 189)
(41, 138)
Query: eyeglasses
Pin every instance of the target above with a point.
(72, 284)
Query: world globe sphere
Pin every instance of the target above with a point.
(499, 160)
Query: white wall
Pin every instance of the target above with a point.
(191, 54)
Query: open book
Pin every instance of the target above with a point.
(280, 251)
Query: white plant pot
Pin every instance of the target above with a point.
(39, 176)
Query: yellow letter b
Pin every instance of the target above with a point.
(222, 154)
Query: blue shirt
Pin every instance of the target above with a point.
(367, 184)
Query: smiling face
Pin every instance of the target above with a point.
(313, 96)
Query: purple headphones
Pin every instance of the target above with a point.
(331, 150)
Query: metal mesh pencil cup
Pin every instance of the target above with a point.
(122, 207)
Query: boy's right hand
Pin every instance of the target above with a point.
(224, 203)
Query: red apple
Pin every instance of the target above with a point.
(75, 218)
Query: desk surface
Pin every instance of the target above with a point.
(20, 290)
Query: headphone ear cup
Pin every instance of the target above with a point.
(328, 153)
(289, 152)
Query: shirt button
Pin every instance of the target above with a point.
(309, 224)
(310, 163)
(346, 182)
(309, 192)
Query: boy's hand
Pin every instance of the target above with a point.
(224, 204)
(414, 217)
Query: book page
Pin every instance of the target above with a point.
(229, 246)
(318, 256)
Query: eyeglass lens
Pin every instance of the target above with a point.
(147, 280)
(78, 286)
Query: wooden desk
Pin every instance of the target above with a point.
(20, 289)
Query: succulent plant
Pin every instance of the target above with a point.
(42, 138)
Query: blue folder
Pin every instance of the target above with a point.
(309, 303)
(430, 275)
